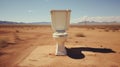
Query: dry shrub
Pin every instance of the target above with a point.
(80, 35)
(17, 31)
(92, 28)
(3, 43)
(107, 30)
(115, 29)
(102, 28)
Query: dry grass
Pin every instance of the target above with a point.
(3, 43)
(111, 29)
(106, 30)
(115, 29)
(80, 35)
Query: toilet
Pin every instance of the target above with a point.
(60, 23)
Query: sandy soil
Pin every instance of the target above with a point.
(35, 47)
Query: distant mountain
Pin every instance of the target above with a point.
(98, 19)
(96, 23)
(10, 22)
(78, 23)
(41, 23)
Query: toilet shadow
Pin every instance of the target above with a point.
(76, 53)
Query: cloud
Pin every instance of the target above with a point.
(98, 19)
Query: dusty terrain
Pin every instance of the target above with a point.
(33, 46)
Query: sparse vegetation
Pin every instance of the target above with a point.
(115, 29)
(19, 38)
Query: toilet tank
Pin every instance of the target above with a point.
(60, 19)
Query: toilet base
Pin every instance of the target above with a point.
(60, 50)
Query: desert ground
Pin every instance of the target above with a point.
(34, 46)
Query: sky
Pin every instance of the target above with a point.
(39, 10)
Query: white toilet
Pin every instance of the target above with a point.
(60, 22)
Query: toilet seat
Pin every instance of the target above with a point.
(56, 34)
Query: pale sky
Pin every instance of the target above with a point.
(39, 10)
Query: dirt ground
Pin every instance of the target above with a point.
(34, 46)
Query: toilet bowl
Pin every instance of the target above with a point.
(60, 40)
